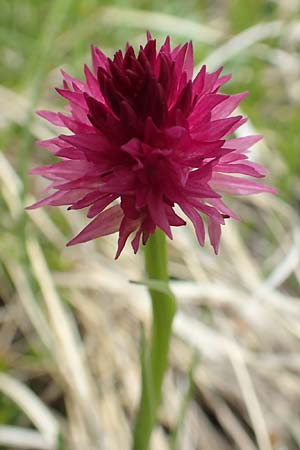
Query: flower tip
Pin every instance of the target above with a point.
(272, 190)
(60, 91)
(70, 243)
(149, 36)
(118, 252)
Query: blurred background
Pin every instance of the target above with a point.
(69, 319)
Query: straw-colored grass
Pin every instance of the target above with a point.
(70, 320)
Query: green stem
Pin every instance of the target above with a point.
(155, 364)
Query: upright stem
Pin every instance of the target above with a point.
(156, 362)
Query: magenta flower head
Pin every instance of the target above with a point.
(146, 137)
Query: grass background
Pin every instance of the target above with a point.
(70, 321)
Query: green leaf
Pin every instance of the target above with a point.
(155, 285)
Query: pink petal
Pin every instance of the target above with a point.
(127, 227)
(236, 125)
(93, 142)
(72, 81)
(210, 80)
(216, 129)
(158, 213)
(74, 125)
(239, 186)
(214, 231)
(135, 243)
(188, 66)
(228, 106)
(220, 206)
(68, 170)
(52, 117)
(196, 220)
(99, 59)
(92, 84)
(247, 168)
(209, 211)
(199, 81)
(222, 80)
(107, 222)
(76, 98)
(59, 198)
(243, 143)
(166, 47)
(100, 204)
(205, 105)
(53, 144)
(71, 153)
(173, 219)
(179, 58)
(85, 182)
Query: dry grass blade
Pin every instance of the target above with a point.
(239, 310)
(10, 186)
(250, 397)
(33, 407)
(69, 350)
(287, 266)
(29, 303)
(232, 425)
(17, 437)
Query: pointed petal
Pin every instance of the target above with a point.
(107, 222)
(92, 142)
(247, 168)
(68, 170)
(98, 58)
(197, 221)
(199, 81)
(216, 129)
(220, 206)
(214, 232)
(52, 145)
(127, 227)
(100, 204)
(242, 144)
(222, 80)
(135, 243)
(72, 81)
(228, 106)
(158, 213)
(205, 105)
(75, 98)
(188, 66)
(52, 117)
(59, 198)
(238, 185)
(211, 79)
(92, 84)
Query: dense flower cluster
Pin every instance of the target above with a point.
(146, 137)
